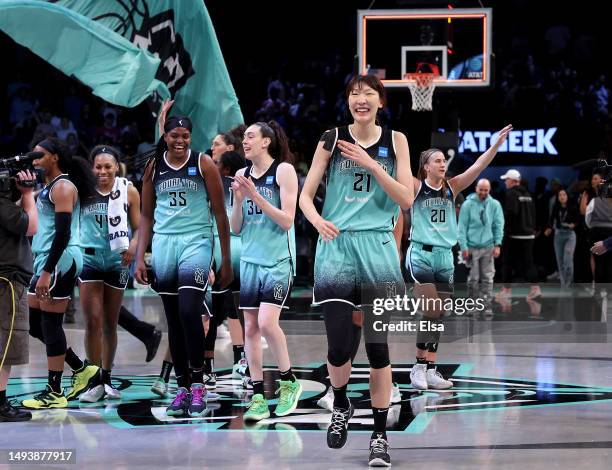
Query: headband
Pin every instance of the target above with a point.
(177, 121)
(49, 146)
(104, 149)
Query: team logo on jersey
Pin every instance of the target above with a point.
(383, 152)
(114, 221)
(125, 208)
(200, 276)
(278, 291)
(270, 180)
(123, 276)
(191, 171)
(391, 290)
(44, 193)
(114, 195)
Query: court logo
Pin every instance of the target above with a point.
(279, 292)
(200, 275)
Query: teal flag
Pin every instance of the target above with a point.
(116, 70)
(181, 34)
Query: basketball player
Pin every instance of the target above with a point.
(57, 264)
(368, 179)
(429, 258)
(265, 198)
(180, 188)
(105, 272)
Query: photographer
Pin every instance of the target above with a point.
(16, 224)
(598, 218)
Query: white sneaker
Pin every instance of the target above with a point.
(92, 395)
(247, 383)
(111, 392)
(239, 369)
(327, 401)
(160, 388)
(435, 380)
(418, 376)
(396, 395)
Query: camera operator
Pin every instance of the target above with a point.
(598, 219)
(16, 224)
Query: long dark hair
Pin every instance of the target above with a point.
(77, 168)
(238, 134)
(232, 160)
(279, 143)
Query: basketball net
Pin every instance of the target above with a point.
(422, 88)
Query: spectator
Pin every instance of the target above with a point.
(519, 235)
(481, 229)
(563, 221)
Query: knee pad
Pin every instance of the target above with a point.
(53, 333)
(338, 356)
(378, 355)
(36, 324)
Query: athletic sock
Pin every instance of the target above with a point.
(340, 398)
(287, 375)
(431, 365)
(209, 365)
(73, 361)
(2, 397)
(380, 422)
(182, 381)
(421, 360)
(258, 387)
(166, 370)
(196, 376)
(55, 381)
(105, 376)
(238, 353)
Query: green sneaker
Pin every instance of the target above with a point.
(46, 399)
(289, 396)
(258, 409)
(82, 380)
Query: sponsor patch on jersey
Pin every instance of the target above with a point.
(383, 152)
(270, 180)
(192, 171)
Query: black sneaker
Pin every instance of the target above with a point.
(379, 452)
(11, 414)
(338, 429)
(152, 344)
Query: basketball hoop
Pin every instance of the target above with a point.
(421, 86)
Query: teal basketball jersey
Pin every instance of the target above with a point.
(229, 203)
(354, 200)
(182, 204)
(433, 217)
(264, 242)
(42, 240)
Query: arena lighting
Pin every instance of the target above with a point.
(533, 141)
(450, 15)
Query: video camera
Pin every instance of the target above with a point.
(605, 171)
(9, 167)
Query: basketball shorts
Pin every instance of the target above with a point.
(357, 267)
(181, 261)
(431, 265)
(64, 275)
(104, 266)
(265, 284)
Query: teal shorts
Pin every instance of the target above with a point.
(65, 274)
(431, 265)
(236, 247)
(181, 261)
(356, 267)
(104, 266)
(265, 284)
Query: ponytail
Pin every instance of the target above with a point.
(279, 143)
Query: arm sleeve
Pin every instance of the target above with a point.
(60, 241)
(462, 226)
(13, 218)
